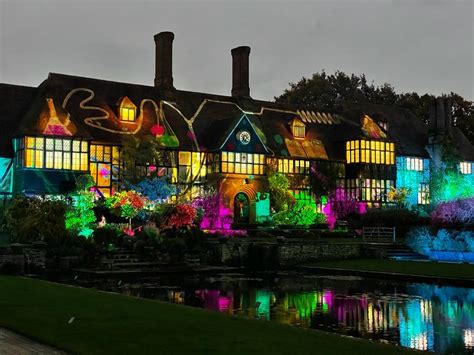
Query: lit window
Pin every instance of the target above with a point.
(423, 194)
(465, 167)
(415, 164)
(372, 190)
(298, 128)
(105, 167)
(243, 163)
(127, 110)
(191, 167)
(291, 166)
(54, 153)
(374, 152)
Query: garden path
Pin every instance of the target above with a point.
(14, 344)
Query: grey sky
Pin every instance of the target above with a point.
(416, 45)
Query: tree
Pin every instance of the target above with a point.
(328, 92)
(80, 216)
(137, 153)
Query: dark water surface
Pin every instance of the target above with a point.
(419, 316)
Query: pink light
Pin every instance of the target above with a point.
(56, 130)
(327, 298)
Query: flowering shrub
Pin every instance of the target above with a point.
(454, 212)
(399, 196)
(181, 216)
(340, 206)
(126, 203)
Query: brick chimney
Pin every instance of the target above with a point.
(164, 61)
(240, 71)
(441, 120)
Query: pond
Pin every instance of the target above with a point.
(419, 316)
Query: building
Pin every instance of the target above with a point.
(70, 126)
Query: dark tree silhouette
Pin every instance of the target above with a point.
(328, 91)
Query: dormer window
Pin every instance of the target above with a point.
(127, 110)
(298, 128)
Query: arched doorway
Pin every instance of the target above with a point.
(241, 208)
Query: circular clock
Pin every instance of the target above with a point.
(244, 137)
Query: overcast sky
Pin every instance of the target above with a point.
(416, 45)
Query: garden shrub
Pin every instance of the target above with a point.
(424, 240)
(446, 241)
(106, 235)
(458, 212)
(299, 214)
(420, 240)
(30, 219)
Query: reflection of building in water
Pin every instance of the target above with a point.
(416, 325)
(263, 299)
(468, 336)
(216, 300)
(301, 307)
(176, 296)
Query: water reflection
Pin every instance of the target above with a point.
(418, 316)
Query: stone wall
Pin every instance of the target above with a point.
(24, 258)
(291, 253)
(260, 254)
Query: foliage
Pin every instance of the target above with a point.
(280, 198)
(30, 218)
(106, 235)
(340, 206)
(425, 240)
(329, 91)
(126, 204)
(80, 216)
(208, 208)
(137, 153)
(155, 190)
(458, 212)
(300, 213)
(398, 196)
(449, 184)
(181, 216)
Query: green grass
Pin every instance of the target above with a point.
(115, 324)
(403, 267)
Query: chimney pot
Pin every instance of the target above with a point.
(164, 60)
(240, 71)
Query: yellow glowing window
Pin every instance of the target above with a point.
(298, 128)
(374, 152)
(184, 158)
(242, 163)
(52, 153)
(127, 110)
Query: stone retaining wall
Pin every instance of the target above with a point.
(24, 259)
(282, 252)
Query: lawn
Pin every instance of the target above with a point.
(107, 323)
(403, 267)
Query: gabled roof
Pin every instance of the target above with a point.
(200, 121)
(408, 131)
